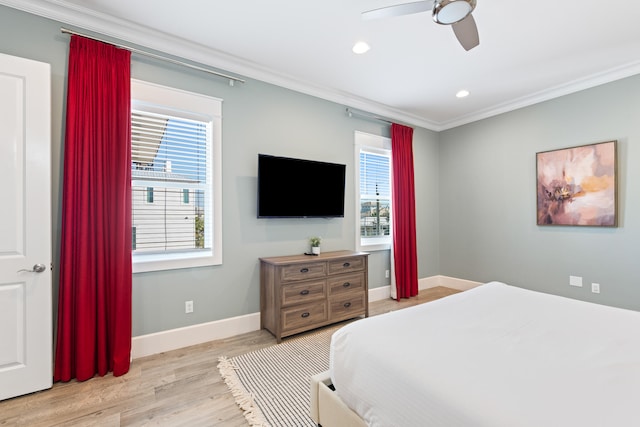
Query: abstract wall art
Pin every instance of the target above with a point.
(577, 186)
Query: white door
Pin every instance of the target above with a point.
(25, 227)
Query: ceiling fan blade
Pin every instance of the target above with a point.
(467, 32)
(398, 10)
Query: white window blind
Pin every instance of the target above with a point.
(171, 183)
(375, 194)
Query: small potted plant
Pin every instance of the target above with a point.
(315, 244)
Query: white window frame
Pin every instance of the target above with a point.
(179, 103)
(380, 145)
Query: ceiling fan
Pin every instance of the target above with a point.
(456, 13)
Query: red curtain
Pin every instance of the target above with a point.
(404, 212)
(94, 302)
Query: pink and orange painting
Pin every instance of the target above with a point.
(577, 186)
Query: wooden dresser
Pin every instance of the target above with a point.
(301, 292)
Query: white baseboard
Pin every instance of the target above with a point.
(173, 339)
(383, 292)
(377, 294)
(449, 282)
(429, 282)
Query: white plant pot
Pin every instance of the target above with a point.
(315, 250)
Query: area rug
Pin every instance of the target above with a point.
(271, 385)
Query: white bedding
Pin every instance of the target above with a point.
(495, 355)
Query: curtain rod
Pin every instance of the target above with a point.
(351, 112)
(232, 79)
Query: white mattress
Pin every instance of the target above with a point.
(495, 355)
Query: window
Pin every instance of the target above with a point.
(373, 189)
(175, 178)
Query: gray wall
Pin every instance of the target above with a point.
(475, 189)
(257, 118)
(488, 198)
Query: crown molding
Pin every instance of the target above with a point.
(103, 25)
(597, 79)
(84, 19)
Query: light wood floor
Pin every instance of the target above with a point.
(177, 388)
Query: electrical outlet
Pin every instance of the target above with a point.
(188, 306)
(386, 274)
(575, 281)
(595, 288)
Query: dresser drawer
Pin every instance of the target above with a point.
(346, 265)
(346, 306)
(303, 292)
(296, 272)
(346, 283)
(302, 316)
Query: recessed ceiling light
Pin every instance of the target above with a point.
(360, 48)
(462, 93)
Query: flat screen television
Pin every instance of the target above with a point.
(297, 188)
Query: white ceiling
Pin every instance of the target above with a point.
(529, 50)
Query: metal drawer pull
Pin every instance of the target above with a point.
(305, 292)
(346, 284)
(305, 314)
(304, 270)
(347, 304)
(346, 264)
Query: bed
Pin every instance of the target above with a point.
(495, 355)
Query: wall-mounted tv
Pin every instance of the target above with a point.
(297, 188)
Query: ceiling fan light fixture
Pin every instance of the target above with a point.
(447, 12)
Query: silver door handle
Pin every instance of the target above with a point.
(38, 268)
